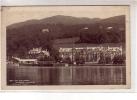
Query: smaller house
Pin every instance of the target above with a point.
(35, 52)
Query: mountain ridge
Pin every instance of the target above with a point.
(61, 19)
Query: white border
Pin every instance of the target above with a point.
(66, 2)
(132, 4)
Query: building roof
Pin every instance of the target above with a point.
(66, 40)
(88, 45)
(19, 59)
(28, 60)
(71, 42)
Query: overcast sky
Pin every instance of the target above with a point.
(13, 15)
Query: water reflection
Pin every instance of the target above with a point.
(77, 75)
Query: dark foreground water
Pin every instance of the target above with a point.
(71, 75)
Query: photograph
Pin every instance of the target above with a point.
(66, 46)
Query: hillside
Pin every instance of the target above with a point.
(23, 36)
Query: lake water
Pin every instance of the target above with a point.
(71, 75)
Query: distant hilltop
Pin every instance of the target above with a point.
(69, 20)
(61, 26)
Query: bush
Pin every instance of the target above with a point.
(67, 60)
(108, 60)
(80, 61)
(119, 59)
(45, 58)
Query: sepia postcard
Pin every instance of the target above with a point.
(65, 47)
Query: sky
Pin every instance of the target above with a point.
(13, 15)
